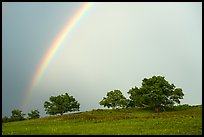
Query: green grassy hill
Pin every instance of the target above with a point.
(126, 121)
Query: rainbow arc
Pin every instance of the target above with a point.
(55, 46)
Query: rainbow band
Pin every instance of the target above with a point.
(55, 46)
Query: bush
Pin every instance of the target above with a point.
(177, 108)
(5, 119)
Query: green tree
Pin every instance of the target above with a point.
(5, 119)
(61, 104)
(34, 114)
(17, 115)
(114, 99)
(155, 92)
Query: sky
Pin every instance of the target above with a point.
(112, 46)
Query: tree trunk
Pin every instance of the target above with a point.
(157, 108)
(113, 106)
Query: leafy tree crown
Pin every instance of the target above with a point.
(114, 99)
(155, 92)
(61, 104)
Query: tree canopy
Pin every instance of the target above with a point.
(61, 104)
(17, 115)
(155, 92)
(34, 114)
(114, 99)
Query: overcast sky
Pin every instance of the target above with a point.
(113, 46)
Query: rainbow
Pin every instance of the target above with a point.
(56, 45)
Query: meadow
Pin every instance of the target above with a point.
(124, 121)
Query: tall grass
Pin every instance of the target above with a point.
(134, 121)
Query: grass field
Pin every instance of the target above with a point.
(126, 121)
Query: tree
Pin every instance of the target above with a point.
(135, 97)
(114, 98)
(5, 119)
(155, 93)
(34, 114)
(61, 104)
(17, 115)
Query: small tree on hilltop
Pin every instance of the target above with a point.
(34, 114)
(155, 92)
(114, 98)
(5, 119)
(61, 104)
(17, 115)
